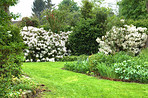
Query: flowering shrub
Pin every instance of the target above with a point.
(43, 45)
(126, 38)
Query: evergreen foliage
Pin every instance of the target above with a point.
(48, 4)
(10, 48)
(133, 9)
(90, 25)
(86, 9)
(38, 7)
(68, 3)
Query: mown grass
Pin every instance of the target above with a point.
(67, 84)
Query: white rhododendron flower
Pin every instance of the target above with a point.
(127, 38)
(122, 20)
(43, 45)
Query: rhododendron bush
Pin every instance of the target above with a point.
(43, 45)
(126, 38)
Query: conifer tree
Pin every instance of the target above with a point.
(38, 7)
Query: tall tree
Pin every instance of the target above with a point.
(133, 9)
(48, 4)
(68, 4)
(38, 7)
(86, 9)
(70, 10)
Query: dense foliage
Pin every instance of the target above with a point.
(43, 45)
(134, 69)
(82, 39)
(38, 7)
(133, 9)
(26, 21)
(63, 18)
(118, 66)
(86, 9)
(55, 20)
(20, 85)
(68, 3)
(11, 45)
(138, 23)
(92, 23)
(126, 38)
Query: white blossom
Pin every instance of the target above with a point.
(127, 38)
(44, 46)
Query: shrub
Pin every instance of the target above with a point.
(134, 70)
(26, 21)
(11, 56)
(144, 54)
(138, 23)
(127, 38)
(10, 49)
(114, 21)
(82, 39)
(109, 60)
(45, 27)
(35, 23)
(82, 57)
(94, 59)
(43, 45)
(120, 57)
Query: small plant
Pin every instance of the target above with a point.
(99, 57)
(134, 70)
(92, 74)
(79, 66)
(106, 71)
(144, 54)
(20, 85)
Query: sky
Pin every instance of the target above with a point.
(24, 6)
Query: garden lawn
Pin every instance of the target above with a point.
(66, 84)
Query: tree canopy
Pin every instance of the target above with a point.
(68, 4)
(133, 9)
(48, 4)
(38, 7)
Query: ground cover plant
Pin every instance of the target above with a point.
(20, 85)
(63, 83)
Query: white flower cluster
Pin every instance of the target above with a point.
(127, 38)
(43, 45)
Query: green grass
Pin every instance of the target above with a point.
(67, 84)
